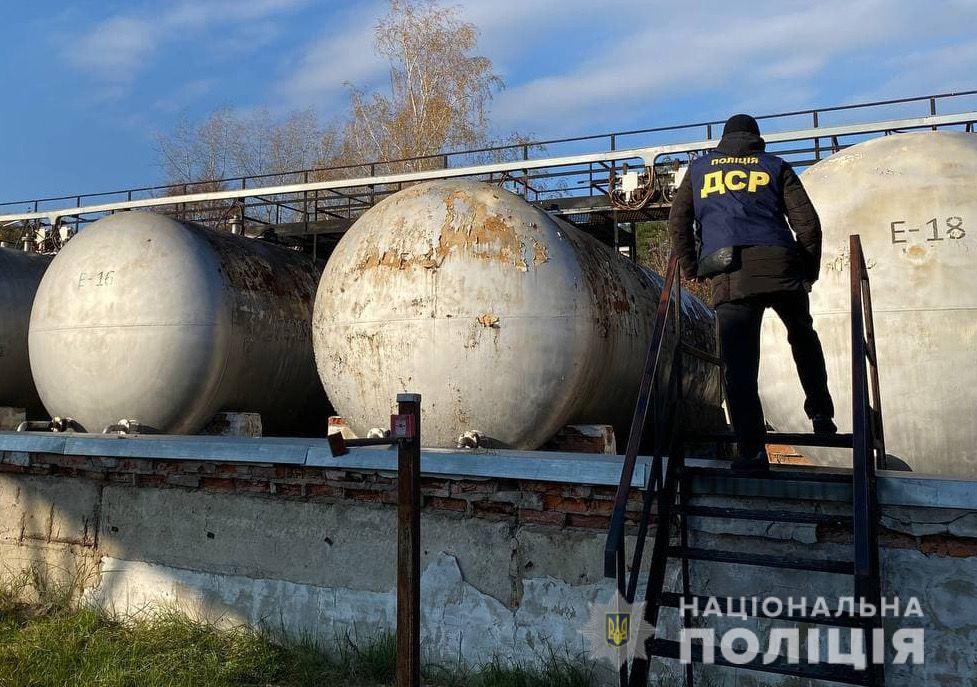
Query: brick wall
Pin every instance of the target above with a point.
(522, 501)
(517, 501)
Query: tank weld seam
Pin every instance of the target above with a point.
(846, 313)
(123, 326)
(453, 318)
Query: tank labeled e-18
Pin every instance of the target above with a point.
(912, 198)
(166, 323)
(507, 321)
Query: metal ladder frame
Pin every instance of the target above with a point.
(663, 398)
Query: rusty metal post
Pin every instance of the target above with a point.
(408, 429)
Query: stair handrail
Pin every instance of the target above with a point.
(868, 442)
(614, 550)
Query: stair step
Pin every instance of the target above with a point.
(765, 515)
(673, 600)
(667, 648)
(810, 564)
(789, 438)
(792, 474)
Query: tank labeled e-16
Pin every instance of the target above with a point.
(165, 324)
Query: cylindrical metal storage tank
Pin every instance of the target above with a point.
(913, 199)
(166, 323)
(20, 275)
(507, 321)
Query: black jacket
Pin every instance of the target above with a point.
(757, 269)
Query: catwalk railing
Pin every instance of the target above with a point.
(334, 196)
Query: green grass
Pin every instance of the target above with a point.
(48, 641)
(553, 671)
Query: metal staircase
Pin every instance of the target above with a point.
(674, 483)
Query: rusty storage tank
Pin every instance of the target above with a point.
(20, 275)
(507, 321)
(166, 323)
(913, 199)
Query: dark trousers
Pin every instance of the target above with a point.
(739, 333)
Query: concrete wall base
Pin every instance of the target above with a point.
(10, 418)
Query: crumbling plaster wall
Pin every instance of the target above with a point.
(492, 585)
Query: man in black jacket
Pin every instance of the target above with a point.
(759, 240)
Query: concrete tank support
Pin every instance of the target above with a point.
(20, 275)
(913, 199)
(166, 323)
(508, 322)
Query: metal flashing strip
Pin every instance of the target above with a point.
(30, 442)
(207, 449)
(895, 488)
(926, 491)
(647, 154)
(544, 466)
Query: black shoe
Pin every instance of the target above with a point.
(757, 464)
(823, 424)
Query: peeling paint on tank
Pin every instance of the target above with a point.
(468, 227)
(540, 254)
(488, 320)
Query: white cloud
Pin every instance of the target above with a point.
(342, 53)
(933, 70)
(113, 50)
(572, 65)
(185, 95)
(509, 29)
(764, 56)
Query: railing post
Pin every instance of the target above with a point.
(373, 187)
(409, 541)
(817, 139)
(525, 173)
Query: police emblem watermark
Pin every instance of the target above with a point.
(615, 632)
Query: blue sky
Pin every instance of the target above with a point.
(86, 85)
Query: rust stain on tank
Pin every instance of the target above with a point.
(540, 254)
(469, 226)
(275, 287)
(916, 254)
(488, 320)
(612, 303)
(486, 236)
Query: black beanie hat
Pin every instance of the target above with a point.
(741, 123)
